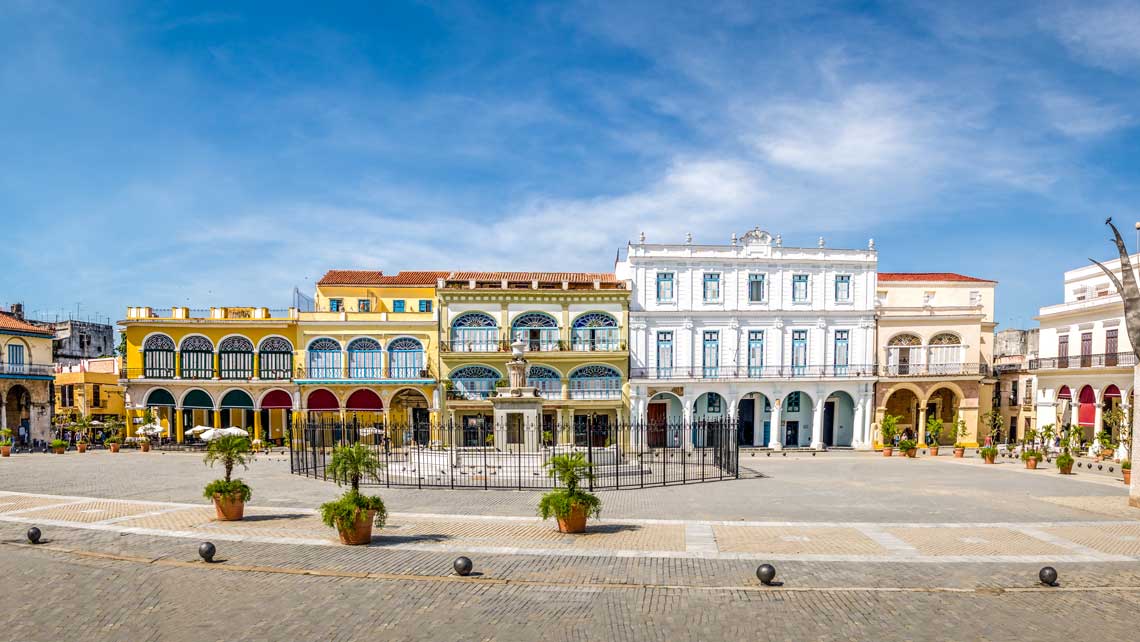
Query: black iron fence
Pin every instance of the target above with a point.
(514, 455)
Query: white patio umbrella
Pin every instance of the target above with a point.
(214, 433)
(198, 429)
(149, 429)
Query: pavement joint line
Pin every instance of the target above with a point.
(888, 541)
(127, 518)
(1060, 542)
(587, 585)
(699, 538)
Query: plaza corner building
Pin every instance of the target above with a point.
(26, 374)
(780, 339)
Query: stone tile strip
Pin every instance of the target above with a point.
(699, 538)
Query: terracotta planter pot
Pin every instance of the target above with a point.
(1107, 453)
(82, 447)
(360, 532)
(59, 451)
(959, 452)
(912, 453)
(990, 458)
(1127, 476)
(575, 522)
(887, 452)
(228, 508)
(145, 447)
(1031, 463)
(5, 451)
(114, 448)
(934, 451)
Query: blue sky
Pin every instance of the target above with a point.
(195, 153)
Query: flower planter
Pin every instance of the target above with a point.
(887, 452)
(360, 532)
(912, 453)
(1066, 470)
(228, 508)
(58, 451)
(959, 453)
(145, 447)
(575, 522)
(1031, 463)
(81, 447)
(1127, 476)
(1107, 453)
(114, 448)
(989, 458)
(934, 451)
(5, 451)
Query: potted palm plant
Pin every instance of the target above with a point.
(1126, 468)
(353, 515)
(144, 443)
(58, 446)
(1104, 438)
(1029, 453)
(934, 431)
(5, 442)
(959, 434)
(82, 427)
(909, 447)
(988, 453)
(1065, 460)
(570, 505)
(229, 495)
(114, 442)
(889, 429)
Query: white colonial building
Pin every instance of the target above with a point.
(1085, 362)
(780, 338)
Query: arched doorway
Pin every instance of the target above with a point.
(904, 403)
(197, 410)
(322, 404)
(943, 404)
(411, 412)
(1064, 407)
(365, 408)
(237, 410)
(1111, 400)
(664, 412)
(753, 416)
(161, 404)
(838, 420)
(796, 417)
(276, 415)
(18, 408)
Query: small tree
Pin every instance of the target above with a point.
(994, 423)
(934, 428)
(889, 429)
(960, 432)
(231, 451)
(1113, 419)
(82, 426)
(350, 465)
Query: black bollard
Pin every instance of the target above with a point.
(206, 551)
(462, 566)
(766, 573)
(1048, 576)
(34, 535)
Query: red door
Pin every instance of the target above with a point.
(656, 415)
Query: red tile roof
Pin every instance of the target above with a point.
(930, 276)
(422, 277)
(9, 322)
(541, 277)
(374, 277)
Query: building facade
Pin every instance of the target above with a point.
(26, 374)
(935, 352)
(1013, 351)
(74, 341)
(1085, 363)
(575, 330)
(90, 388)
(779, 338)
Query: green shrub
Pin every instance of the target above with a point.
(569, 470)
(58, 443)
(1029, 453)
(1064, 460)
(113, 440)
(5, 436)
(889, 429)
(988, 451)
(908, 444)
(1126, 464)
(231, 487)
(343, 513)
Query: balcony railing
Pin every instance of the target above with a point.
(472, 389)
(596, 388)
(934, 369)
(753, 372)
(27, 369)
(596, 340)
(1107, 360)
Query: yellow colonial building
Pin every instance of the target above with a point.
(574, 327)
(26, 374)
(935, 352)
(90, 388)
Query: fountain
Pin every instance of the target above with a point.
(517, 407)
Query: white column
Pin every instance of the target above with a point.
(775, 439)
(857, 435)
(3, 414)
(817, 425)
(1097, 421)
(758, 422)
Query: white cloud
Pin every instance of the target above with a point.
(1080, 117)
(1106, 36)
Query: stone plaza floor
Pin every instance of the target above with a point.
(865, 546)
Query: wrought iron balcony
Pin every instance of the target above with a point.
(754, 372)
(1107, 360)
(27, 369)
(934, 369)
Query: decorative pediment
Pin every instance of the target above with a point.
(756, 236)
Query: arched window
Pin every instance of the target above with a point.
(595, 382)
(158, 357)
(595, 331)
(405, 358)
(947, 355)
(275, 359)
(537, 329)
(235, 356)
(197, 358)
(365, 359)
(904, 355)
(546, 379)
(474, 332)
(474, 382)
(325, 359)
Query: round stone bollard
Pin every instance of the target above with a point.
(34, 535)
(766, 573)
(207, 550)
(1048, 576)
(463, 566)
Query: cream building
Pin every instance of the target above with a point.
(935, 351)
